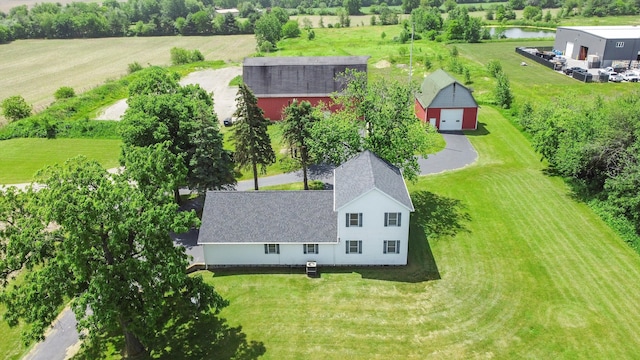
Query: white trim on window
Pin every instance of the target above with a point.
(310, 248)
(392, 219)
(620, 44)
(391, 247)
(353, 246)
(353, 219)
(272, 248)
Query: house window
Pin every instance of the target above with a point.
(620, 44)
(354, 219)
(391, 247)
(354, 246)
(392, 219)
(272, 248)
(310, 248)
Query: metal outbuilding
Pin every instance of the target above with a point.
(609, 45)
(277, 81)
(445, 103)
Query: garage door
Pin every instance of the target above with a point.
(568, 52)
(451, 119)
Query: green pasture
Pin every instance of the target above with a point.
(513, 267)
(22, 158)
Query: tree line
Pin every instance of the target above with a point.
(595, 143)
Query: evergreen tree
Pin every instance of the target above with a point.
(252, 142)
(296, 132)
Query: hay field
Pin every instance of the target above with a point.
(35, 69)
(6, 5)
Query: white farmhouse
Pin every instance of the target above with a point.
(364, 220)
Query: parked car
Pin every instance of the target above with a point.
(570, 70)
(631, 76)
(229, 121)
(615, 77)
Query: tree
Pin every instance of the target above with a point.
(384, 118)
(409, 5)
(531, 12)
(296, 131)
(503, 91)
(268, 29)
(15, 108)
(160, 111)
(291, 29)
(250, 136)
(108, 249)
(352, 6)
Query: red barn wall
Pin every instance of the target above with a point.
(273, 107)
(419, 111)
(470, 119)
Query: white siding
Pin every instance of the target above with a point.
(373, 205)
(373, 233)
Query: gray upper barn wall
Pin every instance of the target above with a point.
(608, 45)
(454, 96)
(298, 76)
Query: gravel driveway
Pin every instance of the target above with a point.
(216, 81)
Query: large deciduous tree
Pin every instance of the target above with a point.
(97, 239)
(380, 115)
(296, 132)
(182, 118)
(252, 142)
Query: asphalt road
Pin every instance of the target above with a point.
(62, 340)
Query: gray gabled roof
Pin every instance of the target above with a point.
(305, 60)
(365, 172)
(608, 32)
(298, 76)
(440, 89)
(268, 217)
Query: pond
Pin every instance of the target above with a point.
(522, 33)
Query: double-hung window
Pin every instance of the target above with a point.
(391, 247)
(310, 248)
(392, 219)
(354, 220)
(272, 248)
(353, 246)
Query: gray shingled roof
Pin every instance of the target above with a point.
(305, 60)
(268, 217)
(443, 90)
(365, 172)
(298, 76)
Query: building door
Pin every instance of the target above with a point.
(568, 52)
(451, 119)
(583, 53)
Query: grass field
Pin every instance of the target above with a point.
(35, 69)
(515, 268)
(21, 158)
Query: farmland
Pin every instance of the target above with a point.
(515, 267)
(35, 69)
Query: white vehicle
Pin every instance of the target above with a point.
(631, 76)
(615, 77)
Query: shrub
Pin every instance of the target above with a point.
(133, 67)
(64, 92)
(290, 29)
(311, 35)
(15, 108)
(494, 67)
(196, 55)
(181, 56)
(266, 46)
(316, 185)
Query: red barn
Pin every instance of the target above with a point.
(277, 81)
(445, 103)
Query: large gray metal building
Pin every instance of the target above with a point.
(609, 45)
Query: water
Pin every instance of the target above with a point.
(522, 33)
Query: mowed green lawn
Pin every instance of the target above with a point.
(528, 272)
(20, 159)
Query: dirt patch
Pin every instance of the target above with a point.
(215, 81)
(382, 64)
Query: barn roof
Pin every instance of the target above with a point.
(268, 217)
(365, 172)
(298, 76)
(435, 83)
(305, 60)
(608, 32)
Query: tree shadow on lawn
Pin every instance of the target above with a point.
(196, 337)
(434, 217)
